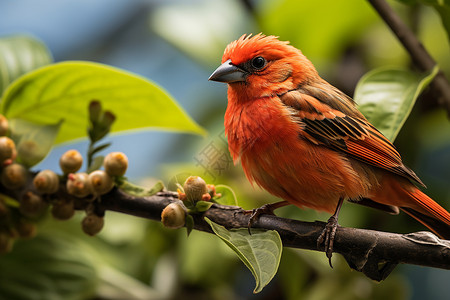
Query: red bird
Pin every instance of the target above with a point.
(303, 140)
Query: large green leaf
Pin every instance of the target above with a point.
(19, 55)
(64, 90)
(386, 97)
(260, 251)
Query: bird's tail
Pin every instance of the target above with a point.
(429, 213)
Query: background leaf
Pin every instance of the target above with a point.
(64, 90)
(387, 96)
(227, 195)
(47, 268)
(277, 17)
(260, 251)
(34, 141)
(19, 55)
(139, 191)
(441, 6)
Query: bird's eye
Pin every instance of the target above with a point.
(258, 62)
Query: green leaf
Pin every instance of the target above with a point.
(64, 91)
(206, 18)
(227, 195)
(386, 97)
(96, 164)
(335, 33)
(260, 251)
(189, 224)
(441, 6)
(139, 191)
(48, 267)
(100, 148)
(19, 55)
(9, 201)
(202, 206)
(34, 141)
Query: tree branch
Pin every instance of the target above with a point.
(374, 253)
(421, 58)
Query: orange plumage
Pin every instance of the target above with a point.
(304, 141)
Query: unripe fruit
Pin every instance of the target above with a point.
(71, 161)
(14, 176)
(63, 210)
(79, 185)
(116, 163)
(194, 188)
(31, 205)
(4, 125)
(173, 216)
(101, 182)
(8, 152)
(46, 182)
(92, 224)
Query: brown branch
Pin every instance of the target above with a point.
(421, 58)
(374, 253)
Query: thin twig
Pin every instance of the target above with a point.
(421, 58)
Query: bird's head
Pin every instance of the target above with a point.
(262, 66)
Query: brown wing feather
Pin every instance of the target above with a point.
(352, 135)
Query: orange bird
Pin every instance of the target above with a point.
(303, 140)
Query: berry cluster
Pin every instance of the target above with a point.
(195, 197)
(28, 195)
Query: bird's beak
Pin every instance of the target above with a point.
(228, 73)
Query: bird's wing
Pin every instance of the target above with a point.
(349, 134)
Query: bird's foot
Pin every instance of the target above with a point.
(266, 209)
(327, 237)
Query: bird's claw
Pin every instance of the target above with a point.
(266, 209)
(327, 237)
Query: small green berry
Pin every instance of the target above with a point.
(31, 205)
(116, 163)
(63, 210)
(14, 176)
(4, 125)
(101, 182)
(194, 188)
(46, 182)
(92, 224)
(8, 152)
(173, 216)
(71, 161)
(79, 185)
